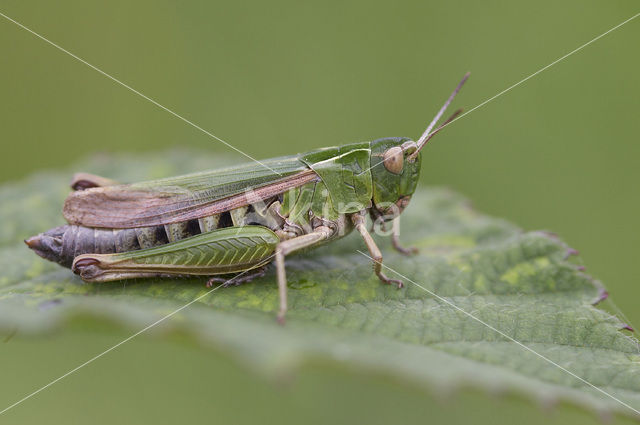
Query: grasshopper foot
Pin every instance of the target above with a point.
(398, 283)
(236, 280)
(389, 281)
(412, 250)
(395, 240)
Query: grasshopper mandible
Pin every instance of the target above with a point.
(237, 220)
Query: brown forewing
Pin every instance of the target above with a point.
(121, 207)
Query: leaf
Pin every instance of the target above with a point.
(520, 284)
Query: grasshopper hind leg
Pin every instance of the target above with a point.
(237, 280)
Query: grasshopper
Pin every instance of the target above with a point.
(237, 220)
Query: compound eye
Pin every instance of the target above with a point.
(393, 160)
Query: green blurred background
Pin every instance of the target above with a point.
(560, 152)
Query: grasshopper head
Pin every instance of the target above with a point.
(395, 173)
(395, 165)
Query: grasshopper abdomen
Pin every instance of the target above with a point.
(64, 243)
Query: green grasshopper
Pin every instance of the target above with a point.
(237, 220)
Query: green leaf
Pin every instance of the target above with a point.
(520, 284)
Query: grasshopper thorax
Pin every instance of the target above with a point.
(395, 175)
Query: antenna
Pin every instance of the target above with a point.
(427, 133)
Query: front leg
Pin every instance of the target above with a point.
(395, 239)
(359, 222)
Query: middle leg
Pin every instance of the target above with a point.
(287, 247)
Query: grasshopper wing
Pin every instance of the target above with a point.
(184, 198)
